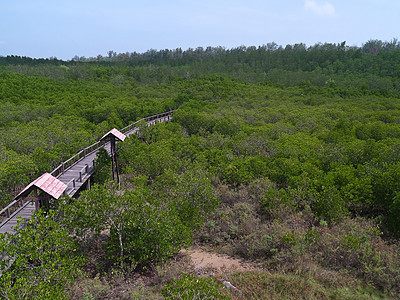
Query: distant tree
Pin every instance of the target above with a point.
(372, 47)
(272, 46)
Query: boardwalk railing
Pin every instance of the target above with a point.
(150, 118)
(85, 171)
(11, 208)
(88, 150)
(71, 161)
(16, 204)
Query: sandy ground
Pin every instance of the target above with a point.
(211, 262)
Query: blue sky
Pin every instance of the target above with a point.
(45, 28)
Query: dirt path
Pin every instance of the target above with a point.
(211, 262)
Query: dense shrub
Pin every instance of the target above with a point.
(190, 287)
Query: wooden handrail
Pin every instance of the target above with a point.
(18, 204)
(11, 205)
(7, 208)
(84, 152)
(98, 144)
(126, 128)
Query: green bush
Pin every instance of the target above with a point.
(46, 259)
(102, 167)
(142, 230)
(189, 287)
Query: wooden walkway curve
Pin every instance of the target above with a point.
(74, 173)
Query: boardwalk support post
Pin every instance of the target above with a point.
(37, 206)
(114, 163)
(43, 186)
(113, 136)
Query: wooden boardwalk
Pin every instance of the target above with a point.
(25, 211)
(74, 173)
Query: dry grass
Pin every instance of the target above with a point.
(300, 257)
(266, 285)
(294, 243)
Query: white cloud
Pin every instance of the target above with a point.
(326, 9)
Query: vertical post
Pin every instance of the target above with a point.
(80, 176)
(116, 166)
(37, 206)
(73, 182)
(62, 168)
(88, 184)
(46, 201)
(112, 145)
(87, 169)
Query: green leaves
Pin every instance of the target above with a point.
(190, 287)
(43, 257)
(142, 230)
(103, 167)
(193, 197)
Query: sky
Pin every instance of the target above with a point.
(66, 28)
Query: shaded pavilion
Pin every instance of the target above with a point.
(113, 136)
(43, 188)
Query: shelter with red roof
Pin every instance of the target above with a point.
(43, 188)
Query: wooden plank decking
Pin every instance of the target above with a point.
(76, 175)
(26, 211)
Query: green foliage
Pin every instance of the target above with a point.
(103, 167)
(15, 172)
(153, 234)
(193, 197)
(394, 213)
(45, 260)
(190, 287)
(292, 141)
(307, 285)
(351, 243)
(328, 204)
(141, 230)
(291, 243)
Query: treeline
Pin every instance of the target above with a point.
(16, 60)
(289, 177)
(44, 122)
(373, 67)
(289, 156)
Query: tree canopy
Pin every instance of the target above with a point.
(289, 155)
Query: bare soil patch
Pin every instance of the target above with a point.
(206, 262)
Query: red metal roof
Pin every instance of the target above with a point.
(46, 183)
(118, 134)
